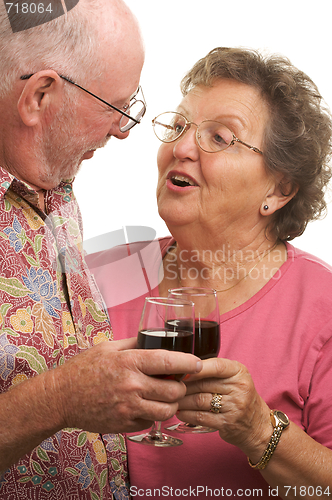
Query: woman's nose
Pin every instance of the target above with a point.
(186, 146)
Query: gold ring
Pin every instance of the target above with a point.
(216, 403)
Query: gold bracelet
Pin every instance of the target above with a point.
(279, 422)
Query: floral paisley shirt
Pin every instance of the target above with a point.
(51, 309)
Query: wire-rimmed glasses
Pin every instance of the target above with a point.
(211, 136)
(134, 111)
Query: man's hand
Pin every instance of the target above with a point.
(110, 388)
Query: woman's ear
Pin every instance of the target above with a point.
(278, 196)
(42, 90)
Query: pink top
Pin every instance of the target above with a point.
(282, 335)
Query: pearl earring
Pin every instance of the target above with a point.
(266, 207)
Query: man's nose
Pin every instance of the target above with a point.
(115, 129)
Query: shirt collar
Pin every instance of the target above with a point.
(23, 189)
(6, 180)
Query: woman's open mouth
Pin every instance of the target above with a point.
(180, 180)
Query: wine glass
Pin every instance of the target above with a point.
(166, 323)
(207, 335)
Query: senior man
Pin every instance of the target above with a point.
(67, 86)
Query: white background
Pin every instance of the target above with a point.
(117, 187)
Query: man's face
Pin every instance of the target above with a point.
(84, 124)
(66, 143)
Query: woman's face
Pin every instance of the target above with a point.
(227, 188)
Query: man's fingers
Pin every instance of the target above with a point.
(158, 411)
(124, 344)
(161, 362)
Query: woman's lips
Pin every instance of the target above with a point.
(179, 181)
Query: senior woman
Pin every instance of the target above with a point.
(243, 167)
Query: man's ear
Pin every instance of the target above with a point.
(41, 90)
(278, 196)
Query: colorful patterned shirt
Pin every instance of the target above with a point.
(51, 309)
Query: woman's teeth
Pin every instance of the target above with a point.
(182, 181)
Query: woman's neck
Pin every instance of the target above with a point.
(237, 272)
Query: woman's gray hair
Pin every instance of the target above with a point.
(297, 140)
(67, 44)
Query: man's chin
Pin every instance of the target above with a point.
(88, 155)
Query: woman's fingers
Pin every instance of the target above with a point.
(223, 396)
(221, 368)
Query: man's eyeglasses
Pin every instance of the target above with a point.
(211, 136)
(134, 111)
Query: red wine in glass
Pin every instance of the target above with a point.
(207, 337)
(159, 329)
(164, 339)
(179, 340)
(207, 334)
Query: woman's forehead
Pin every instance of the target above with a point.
(225, 99)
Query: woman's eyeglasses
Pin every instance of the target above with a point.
(211, 136)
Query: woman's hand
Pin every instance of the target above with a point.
(244, 418)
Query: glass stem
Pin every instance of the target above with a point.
(155, 432)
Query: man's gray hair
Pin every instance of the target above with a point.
(68, 45)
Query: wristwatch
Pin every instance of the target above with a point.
(280, 422)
